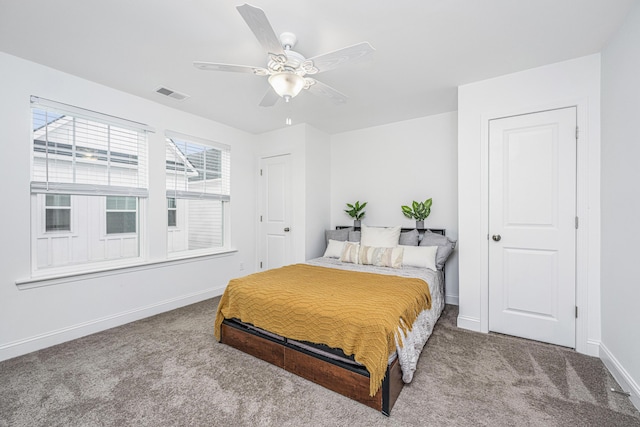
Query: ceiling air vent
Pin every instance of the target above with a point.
(172, 93)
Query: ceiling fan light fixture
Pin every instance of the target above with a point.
(287, 84)
(287, 68)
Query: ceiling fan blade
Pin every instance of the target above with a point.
(331, 60)
(262, 29)
(321, 89)
(270, 98)
(212, 66)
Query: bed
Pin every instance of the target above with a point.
(279, 334)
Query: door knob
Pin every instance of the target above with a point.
(286, 230)
(496, 237)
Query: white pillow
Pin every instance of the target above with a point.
(334, 249)
(381, 257)
(420, 256)
(350, 252)
(380, 237)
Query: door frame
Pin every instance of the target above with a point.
(587, 239)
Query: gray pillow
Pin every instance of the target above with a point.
(340, 235)
(409, 238)
(444, 244)
(354, 236)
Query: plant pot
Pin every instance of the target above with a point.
(420, 225)
(356, 223)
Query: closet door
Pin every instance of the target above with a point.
(275, 212)
(532, 226)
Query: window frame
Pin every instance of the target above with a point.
(223, 195)
(120, 138)
(44, 273)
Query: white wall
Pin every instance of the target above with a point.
(391, 165)
(318, 190)
(575, 82)
(35, 318)
(621, 205)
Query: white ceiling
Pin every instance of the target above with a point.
(424, 50)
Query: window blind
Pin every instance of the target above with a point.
(82, 152)
(197, 169)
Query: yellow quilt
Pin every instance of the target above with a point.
(357, 312)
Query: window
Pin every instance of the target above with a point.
(88, 179)
(171, 212)
(122, 214)
(198, 192)
(58, 212)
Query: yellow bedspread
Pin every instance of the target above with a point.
(357, 312)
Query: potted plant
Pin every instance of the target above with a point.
(418, 211)
(356, 212)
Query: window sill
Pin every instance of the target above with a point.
(55, 279)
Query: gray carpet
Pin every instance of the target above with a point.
(169, 371)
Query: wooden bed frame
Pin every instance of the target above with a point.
(348, 380)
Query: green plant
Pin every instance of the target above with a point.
(418, 210)
(355, 210)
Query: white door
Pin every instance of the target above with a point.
(275, 212)
(532, 226)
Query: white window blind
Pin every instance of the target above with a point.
(78, 151)
(197, 168)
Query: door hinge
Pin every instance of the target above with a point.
(260, 218)
(577, 132)
(577, 223)
(576, 311)
(260, 172)
(260, 264)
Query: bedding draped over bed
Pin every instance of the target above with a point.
(360, 313)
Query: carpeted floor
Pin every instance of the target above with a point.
(169, 371)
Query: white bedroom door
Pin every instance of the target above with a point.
(532, 226)
(275, 212)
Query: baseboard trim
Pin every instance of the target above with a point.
(621, 375)
(470, 323)
(451, 299)
(593, 348)
(48, 339)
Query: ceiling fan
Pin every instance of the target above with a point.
(287, 69)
